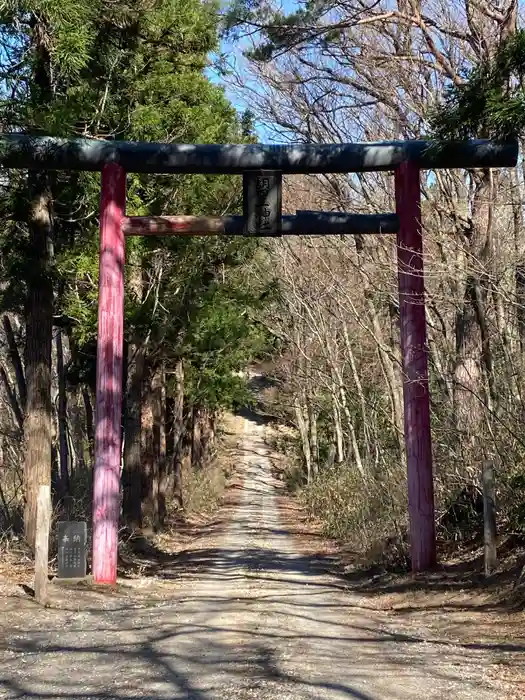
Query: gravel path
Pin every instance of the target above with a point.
(260, 622)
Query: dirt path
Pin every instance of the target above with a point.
(258, 621)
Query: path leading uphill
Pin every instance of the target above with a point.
(261, 621)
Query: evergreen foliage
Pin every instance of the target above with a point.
(279, 30)
(129, 71)
(491, 101)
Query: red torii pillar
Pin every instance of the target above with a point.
(106, 486)
(414, 353)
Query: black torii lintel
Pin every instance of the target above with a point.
(52, 153)
(316, 223)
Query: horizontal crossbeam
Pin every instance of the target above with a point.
(177, 225)
(51, 153)
(304, 222)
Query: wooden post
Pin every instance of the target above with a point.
(490, 533)
(43, 524)
(106, 481)
(415, 368)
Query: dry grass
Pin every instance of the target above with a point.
(454, 605)
(207, 491)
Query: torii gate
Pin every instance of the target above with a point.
(262, 167)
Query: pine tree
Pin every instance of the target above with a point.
(491, 102)
(34, 35)
(129, 71)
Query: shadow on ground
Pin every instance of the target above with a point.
(466, 574)
(251, 618)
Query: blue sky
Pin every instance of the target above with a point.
(287, 6)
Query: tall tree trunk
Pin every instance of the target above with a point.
(344, 405)
(207, 435)
(159, 445)
(178, 432)
(76, 432)
(12, 398)
(148, 457)
(16, 361)
(82, 433)
(471, 351)
(170, 411)
(90, 424)
(5, 511)
(196, 440)
(314, 442)
(39, 333)
(302, 424)
(185, 450)
(62, 418)
(394, 383)
(517, 212)
(338, 430)
(359, 389)
(132, 474)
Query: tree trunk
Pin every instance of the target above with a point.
(39, 333)
(331, 455)
(359, 389)
(314, 443)
(170, 411)
(132, 474)
(207, 435)
(520, 302)
(394, 383)
(159, 446)
(5, 510)
(305, 439)
(490, 533)
(42, 542)
(77, 432)
(344, 404)
(178, 432)
(62, 419)
(519, 246)
(338, 431)
(12, 398)
(16, 361)
(196, 440)
(148, 457)
(472, 352)
(90, 425)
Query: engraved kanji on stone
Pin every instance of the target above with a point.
(72, 537)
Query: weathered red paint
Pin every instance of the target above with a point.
(106, 482)
(415, 367)
(172, 225)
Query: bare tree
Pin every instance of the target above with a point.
(376, 71)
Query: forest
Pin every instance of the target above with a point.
(378, 71)
(130, 71)
(320, 313)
